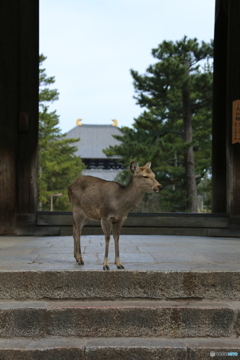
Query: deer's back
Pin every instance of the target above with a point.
(96, 197)
(95, 188)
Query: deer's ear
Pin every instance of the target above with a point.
(148, 165)
(134, 167)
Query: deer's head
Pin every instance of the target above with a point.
(145, 177)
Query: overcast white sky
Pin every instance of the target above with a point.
(92, 44)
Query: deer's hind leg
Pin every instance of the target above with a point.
(79, 221)
(116, 234)
(107, 227)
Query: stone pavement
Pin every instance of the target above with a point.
(137, 252)
(178, 298)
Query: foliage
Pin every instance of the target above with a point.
(160, 134)
(58, 166)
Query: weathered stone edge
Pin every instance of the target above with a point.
(120, 284)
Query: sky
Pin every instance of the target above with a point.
(91, 45)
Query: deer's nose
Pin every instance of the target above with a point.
(160, 187)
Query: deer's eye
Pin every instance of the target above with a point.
(145, 177)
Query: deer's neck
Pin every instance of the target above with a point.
(132, 194)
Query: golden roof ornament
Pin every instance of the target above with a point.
(78, 122)
(115, 122)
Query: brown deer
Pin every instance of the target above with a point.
(110, 202)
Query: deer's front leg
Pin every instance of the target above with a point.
(106, 226)
(116, 234)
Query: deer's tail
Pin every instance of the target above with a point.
(70, 194)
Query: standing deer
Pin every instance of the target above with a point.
(110, 202)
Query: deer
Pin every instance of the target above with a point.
(110, 202)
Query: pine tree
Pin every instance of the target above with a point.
(58, 166)
(174, 130)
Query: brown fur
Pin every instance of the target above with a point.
(110, 202)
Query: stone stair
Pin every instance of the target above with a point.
(127, 315)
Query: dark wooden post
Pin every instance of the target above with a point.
(28, 106)
(225, 155)
(219, 175)
(19, 31)
(233, 93)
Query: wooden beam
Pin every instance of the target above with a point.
(149, 220)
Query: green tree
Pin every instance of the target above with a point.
(58, 165)
(174, 130)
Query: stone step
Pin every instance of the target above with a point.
(139, 318)
(119, 284)
(72, 348)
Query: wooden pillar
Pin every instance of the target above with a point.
(233, 93)
(219, 175)
(225, 155)
(19, 31)
(28, 106)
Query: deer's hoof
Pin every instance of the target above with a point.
(106, 267)
(120, 267)
(80, 262)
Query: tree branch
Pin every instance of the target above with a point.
(167, 132)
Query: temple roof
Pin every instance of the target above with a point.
(93, 139)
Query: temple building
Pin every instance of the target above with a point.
(93, 139)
